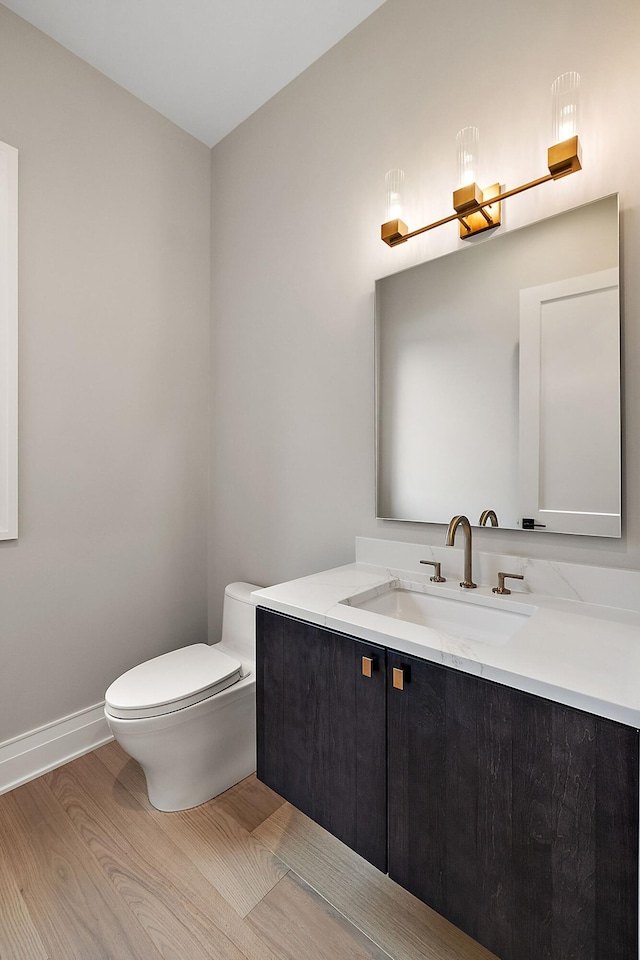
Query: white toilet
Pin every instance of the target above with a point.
(189, 717)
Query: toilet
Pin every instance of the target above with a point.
(189, 717)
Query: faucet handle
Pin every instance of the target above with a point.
(436, 578)
(501, 578)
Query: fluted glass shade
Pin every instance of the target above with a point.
(467, 143)
(394, 195)
(565, 95)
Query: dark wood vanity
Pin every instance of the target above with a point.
(513, 816)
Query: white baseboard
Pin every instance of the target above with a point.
(30, 755)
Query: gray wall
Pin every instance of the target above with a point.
(116, 259)
(114, 213)
(297, 199)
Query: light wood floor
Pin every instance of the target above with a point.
(90, 871)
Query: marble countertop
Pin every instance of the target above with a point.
(581, 654)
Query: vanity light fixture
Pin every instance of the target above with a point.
(479, 209)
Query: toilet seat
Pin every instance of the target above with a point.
(172, 681)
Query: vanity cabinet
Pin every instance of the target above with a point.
(322, 728)
(513, 816)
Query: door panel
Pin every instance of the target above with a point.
(514, 817)
(322, 728)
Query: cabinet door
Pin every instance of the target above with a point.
(322, 728)
(514, 817)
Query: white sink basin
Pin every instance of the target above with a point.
(487, 619)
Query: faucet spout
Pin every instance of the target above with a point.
(463, 522)
(488, 516)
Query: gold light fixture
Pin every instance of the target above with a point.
(479, 209)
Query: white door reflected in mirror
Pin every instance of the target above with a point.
(569, 405)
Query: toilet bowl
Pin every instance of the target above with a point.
(189, 717)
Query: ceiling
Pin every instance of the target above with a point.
(204, 64)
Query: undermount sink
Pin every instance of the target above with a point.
(479, 618)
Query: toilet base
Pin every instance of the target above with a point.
(194, 754)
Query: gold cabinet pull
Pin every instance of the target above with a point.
(367, 666)
(398, 678)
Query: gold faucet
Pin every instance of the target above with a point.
(463, 522)
(502, 577)
(487, 515)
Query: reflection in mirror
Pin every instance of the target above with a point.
(498, 380)
(8, 342)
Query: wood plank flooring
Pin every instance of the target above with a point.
(89, 870)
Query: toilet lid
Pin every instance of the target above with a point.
(172, 681)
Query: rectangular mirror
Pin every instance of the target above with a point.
(498, 380)
(8, 342)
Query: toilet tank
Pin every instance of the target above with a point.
(239, 620)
